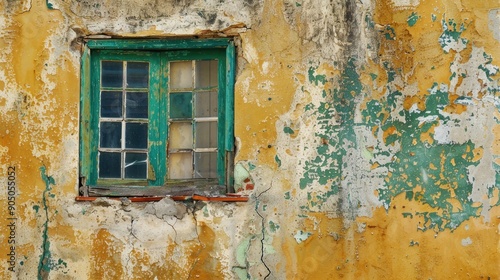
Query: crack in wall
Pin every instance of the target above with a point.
(44, 263)
(173, 228)
(199, 241)
(263, 231)
(132, 229)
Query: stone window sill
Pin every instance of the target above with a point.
(230, 197)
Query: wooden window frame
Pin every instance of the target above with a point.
(157, 184)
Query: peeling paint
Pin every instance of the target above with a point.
(367, 140)
(301, 236)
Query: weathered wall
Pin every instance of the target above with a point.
(370, 131)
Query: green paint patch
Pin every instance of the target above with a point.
(407, 215)
(423, 170)
(46, 264)
(335, 131)
(251, 166)
(495, 190)
(412, 19)
(36, 208)
(273, 226)
(451, 36)
(316, 79)
(49, 5)
(287, 195)
(278, 161)
(389, 33)
(288, 130)
(430, 173)
(369, 21)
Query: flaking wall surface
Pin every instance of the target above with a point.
(367, 132)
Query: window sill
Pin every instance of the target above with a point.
(226, 198)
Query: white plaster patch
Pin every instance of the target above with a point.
(301, 236)
(265, 67)
(442, 133)
(466, 241)
(494, 23)
(414, 108)
(361, 227)
(426, 119)
(405, 3)
(7, 95)
(471, 77)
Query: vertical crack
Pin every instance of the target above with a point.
(132, 229)
(263, 232)
(175, 231)
(199, 241)
(44, 263)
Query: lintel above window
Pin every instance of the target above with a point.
(156, 117)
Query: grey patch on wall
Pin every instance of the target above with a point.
(16, 6)
(338, 27)
(165, 208)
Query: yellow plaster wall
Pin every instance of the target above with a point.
(324, 206)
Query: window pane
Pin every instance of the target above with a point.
(137, 105)
(181, 135)
(111, 134)
(206, 135)
(205, 165)
(180, 166)
(136, 165)
(137, 74)
(206, 73)
(112, 74)
(206, 104)
(136, 135)
(111, 104)
(181, 75)
(109, 165)
(181, 105)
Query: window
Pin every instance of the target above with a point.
(156, 116)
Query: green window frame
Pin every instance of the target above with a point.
(156, 117)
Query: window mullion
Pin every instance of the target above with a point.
(124, 110)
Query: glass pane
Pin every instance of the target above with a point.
(111, 134)
(181, 135)
(181, 74)
(136, 135)
(180, 166)
(111, 104)
(206, 73)
(181, 105)
(206, 135)
(112, 74)
(136, 165)
(205, 165)
(206, 104)
(137, 74)
(137, 105)
(109, 165)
